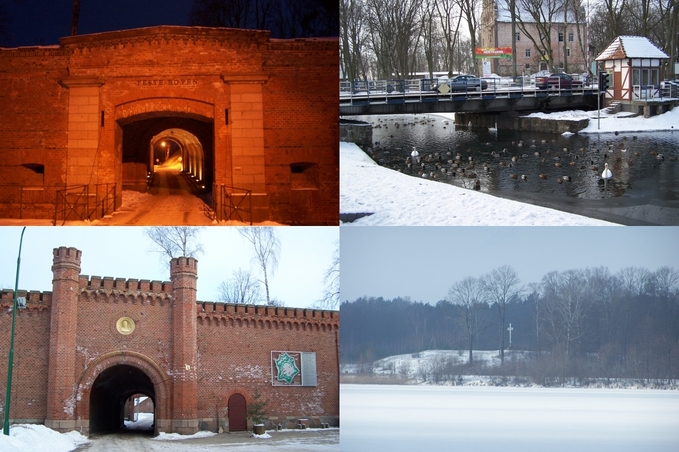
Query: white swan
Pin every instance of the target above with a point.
(607, 173)
(415, 155)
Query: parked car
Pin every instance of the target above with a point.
(465, 83)
(560, 81)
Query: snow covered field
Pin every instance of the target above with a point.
(415, 363)
(443, 418)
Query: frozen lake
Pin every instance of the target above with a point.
(443, 418)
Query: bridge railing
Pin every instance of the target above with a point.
(361, 92)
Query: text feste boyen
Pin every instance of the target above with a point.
(168, 82)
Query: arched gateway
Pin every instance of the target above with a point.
(84, 349)
(250, 117)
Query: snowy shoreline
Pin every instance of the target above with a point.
(371, 195)
(451, 368)
(395, 199)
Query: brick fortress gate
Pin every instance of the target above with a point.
(84, 350)
(249, 116)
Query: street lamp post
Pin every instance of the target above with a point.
(5, 429)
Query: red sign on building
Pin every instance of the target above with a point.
(493, 52)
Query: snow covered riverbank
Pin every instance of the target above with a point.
(396, 199)
(622, 122)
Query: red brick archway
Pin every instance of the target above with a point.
(152, 370)
(138, 122)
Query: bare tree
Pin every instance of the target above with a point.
(501, 289)
(241, 288)
(176, 241)
(467, 295)
(76, 17)
(395, 29)
(470, 11)
(331, 295)
(634, 280)
(565, 305)
(352, 39)
(449, 20)
(220, 13)
(267, 247)
(540, 14)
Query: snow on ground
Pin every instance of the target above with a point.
(38, 438)
(162, 436)
(622, 122)
(396, 199)
(144, 422)
(442, 418)
(414, 362)
(420, 368)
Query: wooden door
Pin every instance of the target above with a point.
(237, 413)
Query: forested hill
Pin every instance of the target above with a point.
(623, 320)
(374, 328)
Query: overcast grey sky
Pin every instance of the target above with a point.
(124, 252)
(423, 262)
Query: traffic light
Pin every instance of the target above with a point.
(603, 81)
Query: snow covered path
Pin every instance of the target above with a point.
(38, 438)
(396, 199)
(170, 202)
(308, 441)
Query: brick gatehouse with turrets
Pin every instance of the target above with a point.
(249, 116)
(86, 349)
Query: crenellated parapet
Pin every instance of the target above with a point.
(35, 300)
(120, 290)
(266, 317)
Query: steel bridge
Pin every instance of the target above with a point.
(382, 97)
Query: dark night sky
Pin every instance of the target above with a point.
(43, 22)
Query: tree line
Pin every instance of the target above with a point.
(385, 39)
(577, 322)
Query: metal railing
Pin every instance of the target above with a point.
(79, 203)
(360, 92)
(231, 203)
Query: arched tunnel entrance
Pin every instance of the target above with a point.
(179, 146)
(180, 151)
(110, 396)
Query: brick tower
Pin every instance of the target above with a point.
(62, 339)
(183, 273)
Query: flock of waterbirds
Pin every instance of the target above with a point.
(456, 162)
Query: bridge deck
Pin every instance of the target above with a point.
(418, 96)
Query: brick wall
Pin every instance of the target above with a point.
(494, 33)
(72, 109)
(31, 354)
(60, 352)
(234, 354)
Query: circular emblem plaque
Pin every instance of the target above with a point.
(125, 325)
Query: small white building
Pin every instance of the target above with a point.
(634, 66)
